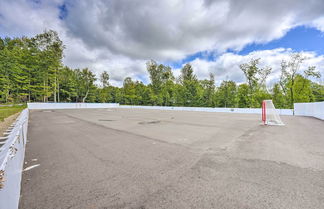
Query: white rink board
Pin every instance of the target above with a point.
(116, 105)
(210, 109)
(11, 162)
(315, 109)
(36, 106)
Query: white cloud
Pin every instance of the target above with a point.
(120, 35)
(172, 29)
(28, 18)
(319, 23)
(226, 66)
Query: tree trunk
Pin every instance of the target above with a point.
(85, 97)
(28, 86)
(292, 96)
(55, 89)
(46, 97)
(58, 91)
(44, 91)
(7, 95)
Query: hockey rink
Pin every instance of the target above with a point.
(135, 158)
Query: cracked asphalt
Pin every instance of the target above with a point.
(135, 158)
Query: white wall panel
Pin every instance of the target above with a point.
(315, 109)
(12, 155)
(33, 106)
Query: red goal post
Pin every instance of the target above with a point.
(270, 115)
(263, 112)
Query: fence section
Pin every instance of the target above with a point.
(210, 109)
(12, 154)
(70, 105)
(315, 109)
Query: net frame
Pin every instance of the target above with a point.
(270, 115)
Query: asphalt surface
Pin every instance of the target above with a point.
(127, 158)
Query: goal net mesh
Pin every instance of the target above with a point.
(270, 115)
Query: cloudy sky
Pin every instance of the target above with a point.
(215, 36)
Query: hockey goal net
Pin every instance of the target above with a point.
(270, 115)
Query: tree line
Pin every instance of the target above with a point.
(31, 70)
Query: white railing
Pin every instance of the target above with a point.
(116, 105)
(12, 153)
(70, 105)
(315, 109)
(210, 109)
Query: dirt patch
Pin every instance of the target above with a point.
(105, 120)
(7, 122)
(149, 122)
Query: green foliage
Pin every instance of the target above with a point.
(318, 91)
(31, 69)
(278, 97)
(256, 78)
(259, 96)
(302, 90)
(227, 94)
(208, 97)
(6, 111)
(104, 79)
(243, 96)
(295, 85)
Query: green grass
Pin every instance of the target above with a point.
(7, 111)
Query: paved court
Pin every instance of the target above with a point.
(135, 158)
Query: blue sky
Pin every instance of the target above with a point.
(298, 39)
(63, 11)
